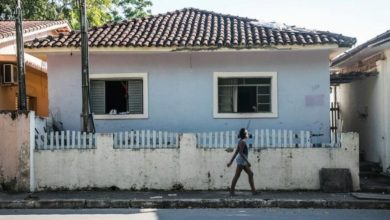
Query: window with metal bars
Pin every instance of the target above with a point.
(244, 95)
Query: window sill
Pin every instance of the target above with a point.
(120, 117)
(245, 115)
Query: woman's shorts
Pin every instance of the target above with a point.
(241, 161)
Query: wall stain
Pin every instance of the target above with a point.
(177, 187)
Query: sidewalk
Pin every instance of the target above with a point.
(192, 199)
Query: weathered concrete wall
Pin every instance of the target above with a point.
(15, 150)
(189, 167)
(365, 108)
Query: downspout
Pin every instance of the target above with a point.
(384, 120)
(385, 68)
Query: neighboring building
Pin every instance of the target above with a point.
(194, 70)
(36, 70)
(362, 80)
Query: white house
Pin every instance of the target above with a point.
(192, 70)
(362, 79)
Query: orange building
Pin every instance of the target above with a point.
(36, 69)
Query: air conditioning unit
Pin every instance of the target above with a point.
(10, 75)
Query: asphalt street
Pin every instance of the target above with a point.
(192, 214)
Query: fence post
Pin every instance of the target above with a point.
(256, 139)
(188, 156)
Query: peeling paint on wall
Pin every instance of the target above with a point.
(15, 150)
(189, 167)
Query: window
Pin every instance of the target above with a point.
(9, 74)
(31, 103)
(119, 96)
(245, 95)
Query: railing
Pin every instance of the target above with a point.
(56, 140)
(151, 139)
(263, 138)
(145, 139)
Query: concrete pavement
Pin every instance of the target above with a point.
(187, 199)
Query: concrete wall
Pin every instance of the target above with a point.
(365, 108)
(15, 148)
(181, 86)
(189, 167)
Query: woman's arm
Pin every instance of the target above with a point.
(234, 156)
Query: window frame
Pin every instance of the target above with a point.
(125, 76)
(274, 94)
(13, 74)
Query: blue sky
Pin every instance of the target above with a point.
(363, 19)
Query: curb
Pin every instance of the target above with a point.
(192, 203)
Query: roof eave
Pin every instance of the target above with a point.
(49, 28)
(48, 50)
(350, 54)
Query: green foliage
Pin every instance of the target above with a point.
(127, 9)
(32, 9)
(98, 11)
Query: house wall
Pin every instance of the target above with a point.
(189, 167)
(15, 146)
(36, 86)
(181, 88)
(365, 108)
(36, 82)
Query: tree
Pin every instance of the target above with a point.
(32, 9)
(98, 11)
(127, 9)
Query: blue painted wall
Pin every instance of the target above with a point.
(181, 88)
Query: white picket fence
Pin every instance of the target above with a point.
(145, 139)
(263, 138)
(136, 139)
(64, 140)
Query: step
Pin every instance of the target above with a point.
(370, 166)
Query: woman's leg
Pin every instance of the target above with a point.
(235, 179)
(250, 177)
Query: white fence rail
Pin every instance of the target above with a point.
(137, 139)
(145, 139)
(57, 140)
(263, 138)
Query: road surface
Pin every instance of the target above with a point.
(192, 214)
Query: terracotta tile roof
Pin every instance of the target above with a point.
(374, 42)
(7, 28)
(189, 28)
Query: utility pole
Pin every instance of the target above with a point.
(86, 119)
(22, 100)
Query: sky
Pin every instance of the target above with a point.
(363, 19)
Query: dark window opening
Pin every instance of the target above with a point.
(7, 73)
(116, 96)
(246, 99)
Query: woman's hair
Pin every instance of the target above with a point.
(242, 133)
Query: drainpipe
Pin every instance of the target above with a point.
(384, 113)
(22, 100)
(386, 93)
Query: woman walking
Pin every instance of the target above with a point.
(242, 162)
